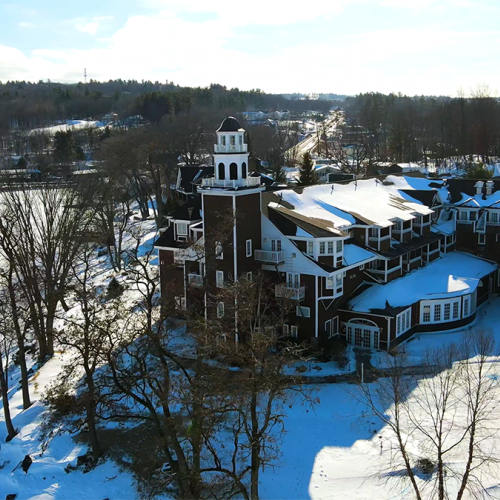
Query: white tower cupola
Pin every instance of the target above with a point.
(231, 153)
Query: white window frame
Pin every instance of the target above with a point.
(341, 249)
(330, 247)
(286, 330)
(248, 248)
(481, 239)
(219, 279)
(310, 248)
(303, 312)
(438, 308)
(322, 248)
(403, 321)
(328, 328)
(294, 331)
(220, 309)
(362, 267)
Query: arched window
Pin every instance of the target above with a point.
(244, 170)
(233, 171)
(222, 171)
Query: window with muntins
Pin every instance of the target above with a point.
(322, 248)
(339, 246)
(447, 312)
(437, 312)
(182, 229)
(294, 331)
(276, 245)
(310, 248)
(426, 318)
(455, 310)
(330, 248)
(403, 321)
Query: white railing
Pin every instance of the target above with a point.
(231, 148)
(269, 257)
(227, 183)
(195, 279)
(283, 291)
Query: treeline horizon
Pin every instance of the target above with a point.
(31, 105)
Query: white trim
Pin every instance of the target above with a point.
(316, 278)
(403, 321)
(294, 331)
(248, 250)
(219, 279)
(220, 309)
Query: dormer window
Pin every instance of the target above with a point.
(240, 140)
(232, 140)
(223, 140)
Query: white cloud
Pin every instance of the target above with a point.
(25, 24)
(164, 46)
(93, 26)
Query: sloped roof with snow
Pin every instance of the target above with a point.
(453, 275)
(367, 201)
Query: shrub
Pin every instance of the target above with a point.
(115, 290)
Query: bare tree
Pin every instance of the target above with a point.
(448, 412)
(42, 231)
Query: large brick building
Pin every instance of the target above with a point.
(370, 260)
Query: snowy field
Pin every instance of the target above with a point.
(333, 451)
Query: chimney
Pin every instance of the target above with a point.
(479, 187)
(489, 188)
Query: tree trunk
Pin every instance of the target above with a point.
(11, 432)
(20, 344)
(90, 411)
(255, 459)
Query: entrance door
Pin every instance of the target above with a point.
(362, 335)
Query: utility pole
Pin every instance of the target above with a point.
(85, 76)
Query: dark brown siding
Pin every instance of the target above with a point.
(248, 228)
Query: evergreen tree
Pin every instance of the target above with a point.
(308, 176)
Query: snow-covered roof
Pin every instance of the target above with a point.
(453, 275)
(477, 200)
(354, 254)
(341, 204)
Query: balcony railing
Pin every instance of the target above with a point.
(285, 292)
(231, 148)
(230, 183)
(269, 257)
(195, 279)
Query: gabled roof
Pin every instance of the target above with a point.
(189, 211)
(340, 206)
(190, 175)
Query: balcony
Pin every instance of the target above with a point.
(195, 279)
(284, 292)
(212, 182)
(231, 148)
(269, 257)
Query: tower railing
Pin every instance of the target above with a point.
(231, 148)
(230, 183)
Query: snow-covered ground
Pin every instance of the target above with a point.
(333, 451)
(336, 451)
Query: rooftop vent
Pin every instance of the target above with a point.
(490, 185)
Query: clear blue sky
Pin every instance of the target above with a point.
(342, 46)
